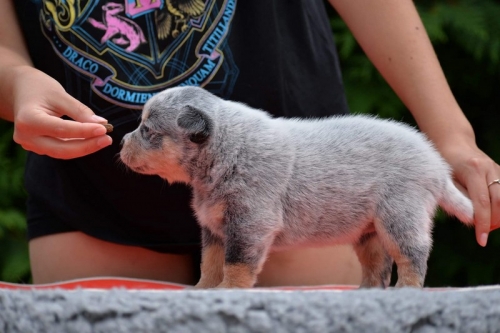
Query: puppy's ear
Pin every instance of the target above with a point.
(197, 124)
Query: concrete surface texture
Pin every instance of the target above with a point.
(403, 310)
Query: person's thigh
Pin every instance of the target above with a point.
(311, 266)
(72, 255)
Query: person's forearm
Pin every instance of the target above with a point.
(10, 66)
(394, 38)
(13, 56)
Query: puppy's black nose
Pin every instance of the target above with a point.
(125, 138)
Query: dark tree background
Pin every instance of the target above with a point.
(466, 36)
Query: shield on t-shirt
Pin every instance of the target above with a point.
(133, 49)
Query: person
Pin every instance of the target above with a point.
(69, 66)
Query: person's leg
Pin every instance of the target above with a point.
(71, 255)
(311, 266)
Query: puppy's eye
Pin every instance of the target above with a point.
(146, 132)
(152, 137)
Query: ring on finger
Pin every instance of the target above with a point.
(496, 181)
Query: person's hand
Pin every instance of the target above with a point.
(39, 102)
(474, 170)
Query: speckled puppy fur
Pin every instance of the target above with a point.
(262, 184)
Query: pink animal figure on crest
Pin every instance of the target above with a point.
(127, 32)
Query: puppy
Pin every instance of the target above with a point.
(262, 184)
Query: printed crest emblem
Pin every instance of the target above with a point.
(133, 49)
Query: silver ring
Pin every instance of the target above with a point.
(496, 181)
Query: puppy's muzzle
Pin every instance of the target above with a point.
(129, 152)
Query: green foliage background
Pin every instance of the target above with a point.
(14, 264)
(466, 36)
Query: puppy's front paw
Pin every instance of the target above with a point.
(231, 285)
(207, 283)
(238, 276)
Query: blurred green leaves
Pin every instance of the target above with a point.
(474, 25)
(14, 261)
(466, 36)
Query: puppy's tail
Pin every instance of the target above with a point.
(456, 203)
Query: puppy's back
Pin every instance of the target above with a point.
(365, 145)
(345, 167)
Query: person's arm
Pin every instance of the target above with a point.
(394, 38)
(13, 54)
(35, 102)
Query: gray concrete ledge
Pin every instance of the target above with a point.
(405, 310)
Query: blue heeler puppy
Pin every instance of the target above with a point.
(262, 184)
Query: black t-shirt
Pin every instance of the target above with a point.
(276, 55)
